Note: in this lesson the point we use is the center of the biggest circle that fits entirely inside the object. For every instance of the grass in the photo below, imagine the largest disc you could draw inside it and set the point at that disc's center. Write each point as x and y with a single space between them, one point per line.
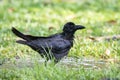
43 18
40 72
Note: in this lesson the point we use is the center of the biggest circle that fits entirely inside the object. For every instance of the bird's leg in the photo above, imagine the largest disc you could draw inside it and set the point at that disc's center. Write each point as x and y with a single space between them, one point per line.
56 61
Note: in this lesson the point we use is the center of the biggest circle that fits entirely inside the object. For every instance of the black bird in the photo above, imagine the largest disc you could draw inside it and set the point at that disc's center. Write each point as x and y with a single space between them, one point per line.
52 47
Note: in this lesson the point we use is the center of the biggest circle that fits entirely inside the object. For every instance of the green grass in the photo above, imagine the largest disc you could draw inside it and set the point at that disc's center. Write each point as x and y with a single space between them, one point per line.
43 18
40 72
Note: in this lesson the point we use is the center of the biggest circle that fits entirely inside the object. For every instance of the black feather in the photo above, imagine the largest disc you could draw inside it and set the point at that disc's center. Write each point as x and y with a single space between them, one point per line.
21 42
19 34
52 47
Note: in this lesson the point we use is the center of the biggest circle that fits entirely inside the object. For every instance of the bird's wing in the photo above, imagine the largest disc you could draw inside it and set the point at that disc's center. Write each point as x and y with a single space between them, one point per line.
55 45
58 47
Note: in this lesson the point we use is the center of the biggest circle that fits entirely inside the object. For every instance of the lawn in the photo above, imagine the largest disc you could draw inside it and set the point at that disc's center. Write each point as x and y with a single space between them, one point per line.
89 59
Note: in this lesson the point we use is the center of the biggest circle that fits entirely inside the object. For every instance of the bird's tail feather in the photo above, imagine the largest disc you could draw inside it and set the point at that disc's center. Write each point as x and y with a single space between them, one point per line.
22 42
19 34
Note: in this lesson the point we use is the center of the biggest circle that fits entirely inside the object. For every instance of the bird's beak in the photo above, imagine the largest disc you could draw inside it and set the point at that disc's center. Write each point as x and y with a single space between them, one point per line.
79 27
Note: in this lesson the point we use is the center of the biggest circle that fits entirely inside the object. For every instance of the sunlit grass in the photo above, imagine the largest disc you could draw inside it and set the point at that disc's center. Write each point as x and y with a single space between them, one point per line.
58 72
43 18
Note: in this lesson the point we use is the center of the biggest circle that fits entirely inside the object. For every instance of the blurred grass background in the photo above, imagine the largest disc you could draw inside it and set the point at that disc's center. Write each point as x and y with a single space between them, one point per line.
46 17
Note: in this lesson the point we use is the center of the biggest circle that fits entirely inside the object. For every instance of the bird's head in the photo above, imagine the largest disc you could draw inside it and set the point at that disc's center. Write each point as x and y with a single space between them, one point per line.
70 27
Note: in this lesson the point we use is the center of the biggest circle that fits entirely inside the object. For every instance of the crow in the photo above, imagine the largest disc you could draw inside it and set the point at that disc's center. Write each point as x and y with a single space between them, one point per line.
52 47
